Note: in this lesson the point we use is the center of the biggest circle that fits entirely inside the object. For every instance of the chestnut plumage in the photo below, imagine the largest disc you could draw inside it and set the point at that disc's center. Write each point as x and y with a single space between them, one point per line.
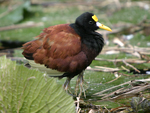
67 48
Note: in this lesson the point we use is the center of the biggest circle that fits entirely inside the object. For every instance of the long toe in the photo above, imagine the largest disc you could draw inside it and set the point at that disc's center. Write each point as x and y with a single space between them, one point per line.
80 84
67 86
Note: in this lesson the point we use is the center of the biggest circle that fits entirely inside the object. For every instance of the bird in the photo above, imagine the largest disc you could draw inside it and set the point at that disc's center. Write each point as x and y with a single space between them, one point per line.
66 50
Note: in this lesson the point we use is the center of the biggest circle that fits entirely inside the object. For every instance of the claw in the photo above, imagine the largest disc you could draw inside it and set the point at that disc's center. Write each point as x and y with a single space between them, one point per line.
80 81
80 85
66 86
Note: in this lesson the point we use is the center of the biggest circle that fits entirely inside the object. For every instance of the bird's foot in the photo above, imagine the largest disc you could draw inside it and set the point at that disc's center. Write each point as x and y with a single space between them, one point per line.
67 87
80 83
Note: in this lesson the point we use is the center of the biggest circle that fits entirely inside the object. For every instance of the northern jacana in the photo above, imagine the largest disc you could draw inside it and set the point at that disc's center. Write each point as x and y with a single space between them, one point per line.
66 50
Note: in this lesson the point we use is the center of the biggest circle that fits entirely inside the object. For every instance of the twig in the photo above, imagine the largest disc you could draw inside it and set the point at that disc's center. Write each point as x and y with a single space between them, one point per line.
129 82
143 50
107 68
19 26
126 74
132 91
9 10
125 69
127 64
78 109
112 88
120 60
107 109
103 69
112 93
127 48
5 13
113 79
101 3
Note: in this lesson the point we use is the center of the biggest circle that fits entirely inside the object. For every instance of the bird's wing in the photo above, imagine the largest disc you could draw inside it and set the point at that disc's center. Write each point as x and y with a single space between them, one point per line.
61 41
58 47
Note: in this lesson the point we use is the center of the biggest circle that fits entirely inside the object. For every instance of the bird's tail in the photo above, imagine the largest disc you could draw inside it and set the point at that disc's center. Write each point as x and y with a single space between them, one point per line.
59 77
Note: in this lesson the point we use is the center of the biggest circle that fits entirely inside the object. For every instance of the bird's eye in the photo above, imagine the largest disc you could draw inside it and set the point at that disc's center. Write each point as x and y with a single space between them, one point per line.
90 22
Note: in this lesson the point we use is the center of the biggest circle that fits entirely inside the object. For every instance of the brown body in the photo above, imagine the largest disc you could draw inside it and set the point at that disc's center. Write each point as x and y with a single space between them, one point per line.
66 50
59 47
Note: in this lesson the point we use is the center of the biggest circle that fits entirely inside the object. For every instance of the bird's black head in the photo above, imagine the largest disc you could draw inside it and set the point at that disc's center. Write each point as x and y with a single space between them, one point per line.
85 20
89 22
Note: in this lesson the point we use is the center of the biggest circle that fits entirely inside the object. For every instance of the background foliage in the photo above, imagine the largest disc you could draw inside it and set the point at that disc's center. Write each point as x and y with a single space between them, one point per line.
22 21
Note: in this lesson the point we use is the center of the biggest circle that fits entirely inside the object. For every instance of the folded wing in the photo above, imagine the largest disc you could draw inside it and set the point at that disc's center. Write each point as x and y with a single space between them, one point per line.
59 48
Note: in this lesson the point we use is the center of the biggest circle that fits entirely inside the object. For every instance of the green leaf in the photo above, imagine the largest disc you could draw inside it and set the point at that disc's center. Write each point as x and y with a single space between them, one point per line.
13 15
30 91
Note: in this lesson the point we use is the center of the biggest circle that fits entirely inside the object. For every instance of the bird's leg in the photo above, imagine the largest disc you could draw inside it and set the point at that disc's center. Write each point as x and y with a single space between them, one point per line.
80 81
67 85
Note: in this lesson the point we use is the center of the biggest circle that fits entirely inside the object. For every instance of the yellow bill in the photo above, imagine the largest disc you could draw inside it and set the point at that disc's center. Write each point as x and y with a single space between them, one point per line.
103 26
94 17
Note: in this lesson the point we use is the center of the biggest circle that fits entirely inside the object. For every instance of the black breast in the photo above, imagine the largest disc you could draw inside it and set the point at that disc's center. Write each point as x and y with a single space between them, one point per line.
92 47
92 42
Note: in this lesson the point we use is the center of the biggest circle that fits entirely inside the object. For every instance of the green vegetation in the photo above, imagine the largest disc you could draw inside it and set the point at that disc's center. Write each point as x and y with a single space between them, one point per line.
20 80
30 91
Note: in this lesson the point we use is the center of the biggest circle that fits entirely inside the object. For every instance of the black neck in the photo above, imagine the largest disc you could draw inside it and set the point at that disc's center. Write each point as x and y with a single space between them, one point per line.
92 39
